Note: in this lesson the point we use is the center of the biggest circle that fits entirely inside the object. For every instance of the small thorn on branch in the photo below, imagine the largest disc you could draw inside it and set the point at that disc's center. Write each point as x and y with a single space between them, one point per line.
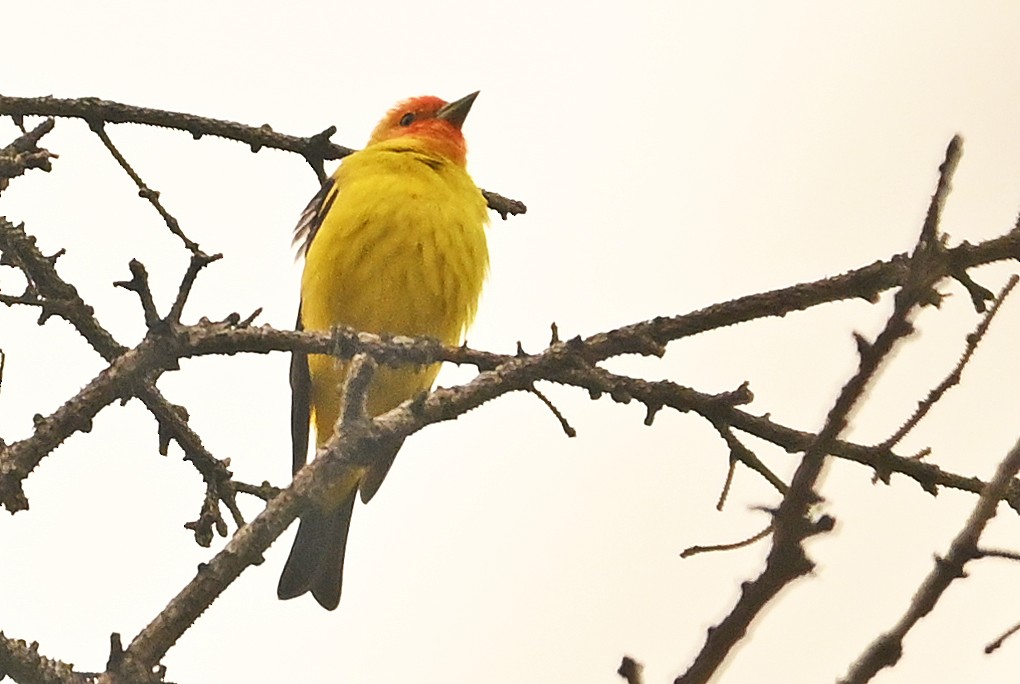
651 410
56 255
863 345
630 670
116 652
247 321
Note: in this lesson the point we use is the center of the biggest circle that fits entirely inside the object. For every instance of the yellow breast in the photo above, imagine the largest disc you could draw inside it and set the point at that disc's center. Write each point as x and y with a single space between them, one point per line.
400 250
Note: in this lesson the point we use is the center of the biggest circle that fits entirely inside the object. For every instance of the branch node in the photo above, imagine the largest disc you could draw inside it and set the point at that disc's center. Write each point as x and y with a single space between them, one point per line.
139 284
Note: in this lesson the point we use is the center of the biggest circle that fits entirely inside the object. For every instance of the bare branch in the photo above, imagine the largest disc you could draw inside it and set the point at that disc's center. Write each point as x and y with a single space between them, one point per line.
573 362
60 298
315 148
886 650
787 559
91 109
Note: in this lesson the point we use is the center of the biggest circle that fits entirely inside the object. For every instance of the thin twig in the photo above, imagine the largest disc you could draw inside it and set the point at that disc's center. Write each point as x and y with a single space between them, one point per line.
144 191
568 430
954 376
997 644
740 452
997 553
199 260
724 493
695 550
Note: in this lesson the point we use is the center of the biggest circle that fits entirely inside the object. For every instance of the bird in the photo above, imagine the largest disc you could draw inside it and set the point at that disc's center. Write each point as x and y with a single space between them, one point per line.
394 244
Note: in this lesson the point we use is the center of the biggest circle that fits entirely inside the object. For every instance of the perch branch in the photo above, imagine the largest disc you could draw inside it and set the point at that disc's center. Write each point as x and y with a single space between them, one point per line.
315 149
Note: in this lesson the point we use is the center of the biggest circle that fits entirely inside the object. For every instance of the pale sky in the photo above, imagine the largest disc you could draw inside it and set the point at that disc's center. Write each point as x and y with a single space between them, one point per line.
672 155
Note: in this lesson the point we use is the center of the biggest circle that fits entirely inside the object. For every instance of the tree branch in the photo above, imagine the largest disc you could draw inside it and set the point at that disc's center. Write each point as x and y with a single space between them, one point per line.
787 559
314 148
61 298
886 650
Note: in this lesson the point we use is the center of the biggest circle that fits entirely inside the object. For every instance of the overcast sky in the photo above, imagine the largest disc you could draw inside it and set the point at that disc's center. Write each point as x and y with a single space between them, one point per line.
672 155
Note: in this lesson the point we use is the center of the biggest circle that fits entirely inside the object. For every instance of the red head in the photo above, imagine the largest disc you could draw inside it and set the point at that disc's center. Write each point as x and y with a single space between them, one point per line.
431 120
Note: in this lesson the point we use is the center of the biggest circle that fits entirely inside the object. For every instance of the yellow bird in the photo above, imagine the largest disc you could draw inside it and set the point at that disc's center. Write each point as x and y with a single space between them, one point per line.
394 242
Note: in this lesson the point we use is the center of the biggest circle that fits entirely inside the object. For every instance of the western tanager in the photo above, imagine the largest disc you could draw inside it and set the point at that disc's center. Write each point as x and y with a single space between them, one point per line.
394 242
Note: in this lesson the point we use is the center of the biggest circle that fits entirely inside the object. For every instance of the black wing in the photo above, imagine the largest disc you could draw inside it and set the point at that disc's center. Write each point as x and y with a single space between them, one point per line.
311 218
300 402
300 380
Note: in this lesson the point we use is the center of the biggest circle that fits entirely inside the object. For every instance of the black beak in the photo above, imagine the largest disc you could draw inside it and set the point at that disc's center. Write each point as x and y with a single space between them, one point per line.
456 112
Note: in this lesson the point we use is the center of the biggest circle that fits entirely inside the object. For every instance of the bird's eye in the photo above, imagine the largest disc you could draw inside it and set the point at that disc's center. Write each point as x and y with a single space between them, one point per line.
406 119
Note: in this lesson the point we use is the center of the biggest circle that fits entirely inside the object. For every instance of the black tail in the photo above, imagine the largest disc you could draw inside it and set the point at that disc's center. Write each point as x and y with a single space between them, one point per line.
316 561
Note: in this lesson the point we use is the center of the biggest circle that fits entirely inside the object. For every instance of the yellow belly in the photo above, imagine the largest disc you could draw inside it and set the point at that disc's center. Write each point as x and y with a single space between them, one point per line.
401 251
